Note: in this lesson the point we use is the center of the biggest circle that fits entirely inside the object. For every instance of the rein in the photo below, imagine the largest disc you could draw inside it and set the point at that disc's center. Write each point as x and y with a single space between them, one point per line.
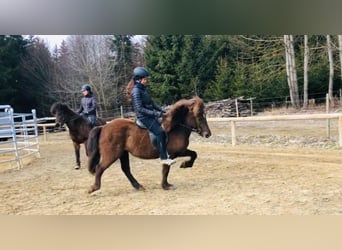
72 118
188 127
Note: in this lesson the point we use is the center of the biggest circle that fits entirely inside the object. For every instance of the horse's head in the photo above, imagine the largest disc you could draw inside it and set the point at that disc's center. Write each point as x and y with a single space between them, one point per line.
59 110
189 114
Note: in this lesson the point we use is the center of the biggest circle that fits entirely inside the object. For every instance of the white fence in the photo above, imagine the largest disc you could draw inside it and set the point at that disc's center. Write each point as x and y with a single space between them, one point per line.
328 117
18 135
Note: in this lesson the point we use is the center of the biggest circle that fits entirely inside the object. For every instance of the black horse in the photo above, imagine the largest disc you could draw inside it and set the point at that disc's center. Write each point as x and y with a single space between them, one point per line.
78 125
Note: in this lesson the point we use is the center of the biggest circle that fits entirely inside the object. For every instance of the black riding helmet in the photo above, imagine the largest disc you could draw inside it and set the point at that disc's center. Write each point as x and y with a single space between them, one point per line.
140 72
86 87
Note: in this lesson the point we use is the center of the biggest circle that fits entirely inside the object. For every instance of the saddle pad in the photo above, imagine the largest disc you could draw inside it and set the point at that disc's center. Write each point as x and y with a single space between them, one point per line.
153 138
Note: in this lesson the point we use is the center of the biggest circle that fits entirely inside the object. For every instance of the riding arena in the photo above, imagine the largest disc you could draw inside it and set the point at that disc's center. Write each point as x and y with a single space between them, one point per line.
283 164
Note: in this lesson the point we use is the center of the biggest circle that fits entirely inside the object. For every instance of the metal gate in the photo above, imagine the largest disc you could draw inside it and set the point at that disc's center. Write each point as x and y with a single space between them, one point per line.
18 135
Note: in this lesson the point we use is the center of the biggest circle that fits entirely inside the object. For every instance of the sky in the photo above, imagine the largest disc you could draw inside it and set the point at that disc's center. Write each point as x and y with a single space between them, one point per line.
53 40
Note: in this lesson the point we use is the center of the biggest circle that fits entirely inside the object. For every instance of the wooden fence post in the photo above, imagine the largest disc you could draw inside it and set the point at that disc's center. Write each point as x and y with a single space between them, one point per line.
340 130
237 107
233 129
327 109
121 111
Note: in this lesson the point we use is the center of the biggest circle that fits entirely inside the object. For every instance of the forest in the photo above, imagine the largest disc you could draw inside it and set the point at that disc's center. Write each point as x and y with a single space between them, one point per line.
271 69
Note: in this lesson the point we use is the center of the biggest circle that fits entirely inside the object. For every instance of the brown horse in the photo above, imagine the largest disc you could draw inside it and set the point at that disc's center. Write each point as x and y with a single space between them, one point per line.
78 126
120 137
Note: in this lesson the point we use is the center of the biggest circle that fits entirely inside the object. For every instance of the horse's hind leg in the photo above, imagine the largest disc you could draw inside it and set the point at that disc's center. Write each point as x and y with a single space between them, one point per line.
77 155
124 159
98 175
107 159
165 172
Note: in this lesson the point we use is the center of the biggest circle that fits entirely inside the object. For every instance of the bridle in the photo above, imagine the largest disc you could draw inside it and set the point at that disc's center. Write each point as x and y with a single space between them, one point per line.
189 128
197 130
62 120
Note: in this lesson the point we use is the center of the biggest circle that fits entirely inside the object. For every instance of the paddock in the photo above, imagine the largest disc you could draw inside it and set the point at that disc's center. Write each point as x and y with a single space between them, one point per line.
286 168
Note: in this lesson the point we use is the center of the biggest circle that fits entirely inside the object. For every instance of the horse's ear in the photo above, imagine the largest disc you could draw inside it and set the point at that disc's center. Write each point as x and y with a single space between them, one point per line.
195 104
191 105
53 108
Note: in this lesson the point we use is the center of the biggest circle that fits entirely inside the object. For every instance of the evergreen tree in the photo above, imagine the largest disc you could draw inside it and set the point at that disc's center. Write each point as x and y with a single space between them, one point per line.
219 88
12 50
190 67
37 70
163 54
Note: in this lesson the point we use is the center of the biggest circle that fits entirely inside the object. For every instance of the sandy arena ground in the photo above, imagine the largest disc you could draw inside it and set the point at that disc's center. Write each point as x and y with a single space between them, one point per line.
248 179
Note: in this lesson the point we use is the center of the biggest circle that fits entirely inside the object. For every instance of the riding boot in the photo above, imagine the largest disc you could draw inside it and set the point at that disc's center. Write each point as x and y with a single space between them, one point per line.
164 156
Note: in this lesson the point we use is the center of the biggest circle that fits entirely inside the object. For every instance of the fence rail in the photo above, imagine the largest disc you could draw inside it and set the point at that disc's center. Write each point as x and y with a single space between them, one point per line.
235 120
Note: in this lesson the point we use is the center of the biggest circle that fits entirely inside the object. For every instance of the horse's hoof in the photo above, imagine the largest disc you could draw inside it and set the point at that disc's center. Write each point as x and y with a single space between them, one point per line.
94 193
184 165
140 187
92 189
77 167
167 186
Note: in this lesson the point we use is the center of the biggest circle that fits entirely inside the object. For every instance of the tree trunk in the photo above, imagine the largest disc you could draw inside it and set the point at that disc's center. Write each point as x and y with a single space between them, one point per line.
331 72
291 71
340 53
306 65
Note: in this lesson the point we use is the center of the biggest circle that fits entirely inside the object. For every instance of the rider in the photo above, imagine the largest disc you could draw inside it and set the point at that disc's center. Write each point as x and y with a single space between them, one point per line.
147 112
88 104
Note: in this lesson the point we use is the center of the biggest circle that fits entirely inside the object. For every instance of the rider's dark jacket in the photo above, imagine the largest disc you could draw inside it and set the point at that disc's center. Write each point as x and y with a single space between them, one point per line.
143 105
88 105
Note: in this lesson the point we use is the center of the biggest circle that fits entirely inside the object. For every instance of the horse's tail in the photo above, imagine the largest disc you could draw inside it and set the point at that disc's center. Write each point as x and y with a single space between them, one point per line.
93 149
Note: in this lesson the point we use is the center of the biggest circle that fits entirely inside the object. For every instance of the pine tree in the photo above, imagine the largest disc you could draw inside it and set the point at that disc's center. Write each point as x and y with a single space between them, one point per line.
219 88
12 50
163 53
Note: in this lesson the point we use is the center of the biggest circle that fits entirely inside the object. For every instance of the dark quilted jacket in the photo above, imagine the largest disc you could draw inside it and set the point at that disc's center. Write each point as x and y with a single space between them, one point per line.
143 105
88 105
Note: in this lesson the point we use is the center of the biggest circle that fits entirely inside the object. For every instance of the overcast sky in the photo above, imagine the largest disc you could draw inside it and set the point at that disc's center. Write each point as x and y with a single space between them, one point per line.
53 40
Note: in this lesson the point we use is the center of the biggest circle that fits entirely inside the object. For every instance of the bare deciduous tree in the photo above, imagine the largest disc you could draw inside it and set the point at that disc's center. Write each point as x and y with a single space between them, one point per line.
331 71
291 70
88 59
37 67
340 52
306 69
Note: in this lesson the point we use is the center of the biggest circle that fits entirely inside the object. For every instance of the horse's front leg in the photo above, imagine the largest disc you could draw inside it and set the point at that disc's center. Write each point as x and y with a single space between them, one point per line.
165 172
86 147
77 155
189 163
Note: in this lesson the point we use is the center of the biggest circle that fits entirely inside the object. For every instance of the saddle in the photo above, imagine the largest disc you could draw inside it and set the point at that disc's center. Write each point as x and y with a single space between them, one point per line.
153 138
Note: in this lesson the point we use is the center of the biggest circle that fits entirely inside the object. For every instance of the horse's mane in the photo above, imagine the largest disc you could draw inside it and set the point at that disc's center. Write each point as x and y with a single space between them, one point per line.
178 112
62 108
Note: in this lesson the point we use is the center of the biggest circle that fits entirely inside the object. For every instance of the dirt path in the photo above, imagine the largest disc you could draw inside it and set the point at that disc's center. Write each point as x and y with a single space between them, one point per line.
225 180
